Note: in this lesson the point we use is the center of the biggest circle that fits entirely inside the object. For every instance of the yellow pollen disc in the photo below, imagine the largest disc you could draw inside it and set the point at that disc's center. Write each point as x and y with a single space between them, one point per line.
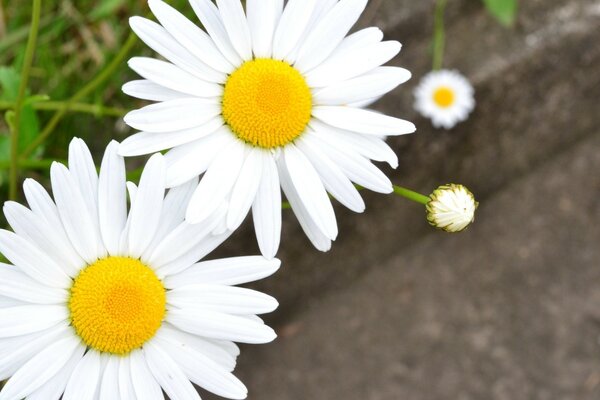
117 304
443 97
267 103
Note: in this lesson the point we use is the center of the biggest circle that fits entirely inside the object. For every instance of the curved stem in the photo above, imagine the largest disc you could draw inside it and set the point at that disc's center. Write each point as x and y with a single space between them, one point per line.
16 125
439 35
411 195
398 190
87 89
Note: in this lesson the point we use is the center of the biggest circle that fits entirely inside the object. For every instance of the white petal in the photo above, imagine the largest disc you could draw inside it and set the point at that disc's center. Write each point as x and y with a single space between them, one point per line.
292 24
83 231
143 143
329 33
112 201
313 232
266 209
356 167
245 188
85 380
125 383
22 320
40 368
263 17
236 25
47 238
144 384
205 247
146 90
217 182
157 38
225 271
334 180
17 285
363 121
83 170
131 191
203 371
109 388
225 299
54 388
173 115
322 8
369 146
222 352
16 351
10 302
208 14
168 374
145 212
41 203
220 326
32 261
173 77
348 63
310 190
364 37
190 36
182 240
191 160
371 85
173 212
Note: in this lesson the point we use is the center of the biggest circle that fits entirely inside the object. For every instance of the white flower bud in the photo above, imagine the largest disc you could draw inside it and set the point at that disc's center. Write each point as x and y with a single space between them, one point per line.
452 208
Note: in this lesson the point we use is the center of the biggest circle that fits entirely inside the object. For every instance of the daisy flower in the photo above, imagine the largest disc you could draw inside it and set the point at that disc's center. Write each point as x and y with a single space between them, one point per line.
446 97
105 303
451 208
268 97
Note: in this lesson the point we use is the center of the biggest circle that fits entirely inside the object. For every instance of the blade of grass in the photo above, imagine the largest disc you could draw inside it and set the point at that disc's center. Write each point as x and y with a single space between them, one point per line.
16 125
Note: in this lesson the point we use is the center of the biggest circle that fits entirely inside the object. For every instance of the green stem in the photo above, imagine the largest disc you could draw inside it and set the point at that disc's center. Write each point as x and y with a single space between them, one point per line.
87 89
398 190
439 35
16 125
411 195
95 109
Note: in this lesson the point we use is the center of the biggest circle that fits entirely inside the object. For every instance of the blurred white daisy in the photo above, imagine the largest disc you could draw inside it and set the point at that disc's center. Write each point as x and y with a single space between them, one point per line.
268 97
446 97
106 303
451 208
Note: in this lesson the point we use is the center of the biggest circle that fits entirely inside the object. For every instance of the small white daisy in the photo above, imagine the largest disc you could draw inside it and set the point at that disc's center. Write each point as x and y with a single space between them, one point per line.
452 208
446 97
105 303
269 97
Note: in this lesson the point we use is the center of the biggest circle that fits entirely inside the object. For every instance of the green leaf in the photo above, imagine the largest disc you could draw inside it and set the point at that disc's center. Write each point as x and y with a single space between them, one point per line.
504 11
106 8
30 125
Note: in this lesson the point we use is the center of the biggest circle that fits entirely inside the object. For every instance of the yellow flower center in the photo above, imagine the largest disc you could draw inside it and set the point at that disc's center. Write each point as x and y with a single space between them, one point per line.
117 304
267 103
443 97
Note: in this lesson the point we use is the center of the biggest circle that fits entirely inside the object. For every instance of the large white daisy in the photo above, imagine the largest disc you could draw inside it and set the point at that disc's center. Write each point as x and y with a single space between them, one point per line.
446 97
267 97
105 303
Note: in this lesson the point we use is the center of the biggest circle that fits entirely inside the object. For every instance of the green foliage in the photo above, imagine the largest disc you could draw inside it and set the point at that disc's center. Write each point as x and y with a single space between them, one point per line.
30 124
504 11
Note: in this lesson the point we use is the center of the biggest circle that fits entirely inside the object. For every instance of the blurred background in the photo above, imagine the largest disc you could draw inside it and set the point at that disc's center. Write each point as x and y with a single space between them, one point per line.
508 310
